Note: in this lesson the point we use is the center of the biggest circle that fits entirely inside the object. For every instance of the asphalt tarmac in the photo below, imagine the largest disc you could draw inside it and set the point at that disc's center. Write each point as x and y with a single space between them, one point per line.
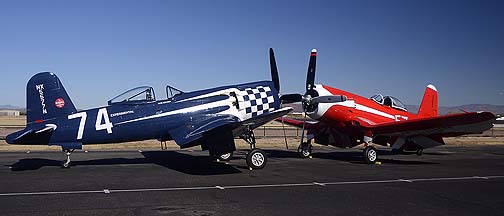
443 181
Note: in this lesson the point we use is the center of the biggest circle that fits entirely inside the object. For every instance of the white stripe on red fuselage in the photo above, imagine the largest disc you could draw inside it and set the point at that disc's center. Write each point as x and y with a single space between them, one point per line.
323 108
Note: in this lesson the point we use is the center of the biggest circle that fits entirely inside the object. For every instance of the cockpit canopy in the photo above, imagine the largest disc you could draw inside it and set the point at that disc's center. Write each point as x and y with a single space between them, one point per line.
140 94
143 94
389 101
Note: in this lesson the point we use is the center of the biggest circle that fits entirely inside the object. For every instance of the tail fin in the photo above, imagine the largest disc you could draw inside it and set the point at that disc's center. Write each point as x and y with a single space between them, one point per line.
429 106
46 98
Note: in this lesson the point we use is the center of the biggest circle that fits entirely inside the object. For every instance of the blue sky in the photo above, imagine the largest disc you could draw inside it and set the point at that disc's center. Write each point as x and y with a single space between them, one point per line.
102 48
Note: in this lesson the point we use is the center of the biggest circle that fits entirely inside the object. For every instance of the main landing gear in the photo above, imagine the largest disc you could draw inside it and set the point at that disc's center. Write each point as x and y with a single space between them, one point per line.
305 149
66 163
370 154
256 158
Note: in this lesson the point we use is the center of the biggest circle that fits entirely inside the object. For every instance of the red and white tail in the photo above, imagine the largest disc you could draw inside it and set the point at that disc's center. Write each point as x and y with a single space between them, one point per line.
429 106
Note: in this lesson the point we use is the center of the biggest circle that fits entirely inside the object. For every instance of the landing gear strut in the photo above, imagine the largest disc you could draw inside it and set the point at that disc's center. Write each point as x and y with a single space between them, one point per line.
256 158
66 163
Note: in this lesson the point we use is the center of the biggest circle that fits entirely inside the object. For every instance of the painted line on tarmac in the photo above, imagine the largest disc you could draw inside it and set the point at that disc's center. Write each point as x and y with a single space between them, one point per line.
317 184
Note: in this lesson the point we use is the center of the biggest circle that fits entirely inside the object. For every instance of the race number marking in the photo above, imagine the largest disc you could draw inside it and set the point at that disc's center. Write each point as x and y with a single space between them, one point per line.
102 116
400 117
82 123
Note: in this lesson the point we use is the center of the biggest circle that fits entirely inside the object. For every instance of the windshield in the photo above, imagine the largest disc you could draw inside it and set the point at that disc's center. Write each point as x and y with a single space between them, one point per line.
138 94
394 103
172 92
388 101
378 98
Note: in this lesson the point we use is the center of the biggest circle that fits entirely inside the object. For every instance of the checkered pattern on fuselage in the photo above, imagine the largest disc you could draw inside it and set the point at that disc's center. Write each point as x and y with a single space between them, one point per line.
257 101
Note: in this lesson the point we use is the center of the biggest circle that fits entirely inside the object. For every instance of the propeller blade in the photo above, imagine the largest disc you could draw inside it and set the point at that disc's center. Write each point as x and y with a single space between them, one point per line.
291 98
274 70
310 76
328 99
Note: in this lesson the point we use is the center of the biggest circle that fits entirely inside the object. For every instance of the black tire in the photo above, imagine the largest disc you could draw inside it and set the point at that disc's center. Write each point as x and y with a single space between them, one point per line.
370 155
419 152
257 159
225 157
304 150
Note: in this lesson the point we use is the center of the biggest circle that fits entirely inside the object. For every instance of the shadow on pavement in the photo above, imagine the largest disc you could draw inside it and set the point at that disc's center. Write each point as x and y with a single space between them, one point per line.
351 157
185 163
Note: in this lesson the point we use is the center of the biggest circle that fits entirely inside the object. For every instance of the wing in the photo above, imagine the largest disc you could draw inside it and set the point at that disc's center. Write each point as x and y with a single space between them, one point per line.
299 123
445 126
429 132
209 123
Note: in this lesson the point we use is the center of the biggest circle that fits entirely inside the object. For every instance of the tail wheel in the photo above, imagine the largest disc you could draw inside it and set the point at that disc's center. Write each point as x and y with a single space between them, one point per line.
304 150
225 157
65 164
370 155
256 159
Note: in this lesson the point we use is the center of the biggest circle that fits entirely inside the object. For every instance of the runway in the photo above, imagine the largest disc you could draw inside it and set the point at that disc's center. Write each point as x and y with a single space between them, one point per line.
445 180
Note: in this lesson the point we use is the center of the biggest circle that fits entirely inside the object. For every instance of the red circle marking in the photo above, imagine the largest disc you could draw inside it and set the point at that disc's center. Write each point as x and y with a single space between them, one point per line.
59 103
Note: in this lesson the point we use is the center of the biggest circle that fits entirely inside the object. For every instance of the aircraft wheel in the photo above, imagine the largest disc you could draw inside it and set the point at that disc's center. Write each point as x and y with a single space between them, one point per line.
370 154
256 159
419 152
304 150
225 157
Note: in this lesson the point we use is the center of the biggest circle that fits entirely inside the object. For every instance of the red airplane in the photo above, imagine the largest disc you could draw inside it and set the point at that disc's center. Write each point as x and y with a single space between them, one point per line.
346 120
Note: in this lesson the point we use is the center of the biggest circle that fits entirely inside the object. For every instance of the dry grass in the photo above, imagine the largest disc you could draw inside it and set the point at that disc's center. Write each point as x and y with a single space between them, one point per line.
273 129
12 121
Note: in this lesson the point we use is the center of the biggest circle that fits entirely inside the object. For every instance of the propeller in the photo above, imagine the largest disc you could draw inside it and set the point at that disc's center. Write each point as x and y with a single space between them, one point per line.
311 98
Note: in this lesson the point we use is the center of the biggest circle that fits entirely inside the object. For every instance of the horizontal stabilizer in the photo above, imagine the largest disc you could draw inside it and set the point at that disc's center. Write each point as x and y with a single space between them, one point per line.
39 134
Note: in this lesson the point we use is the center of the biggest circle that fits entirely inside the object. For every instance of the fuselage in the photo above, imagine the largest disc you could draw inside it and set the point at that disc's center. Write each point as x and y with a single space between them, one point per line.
343 120
356 107
154 119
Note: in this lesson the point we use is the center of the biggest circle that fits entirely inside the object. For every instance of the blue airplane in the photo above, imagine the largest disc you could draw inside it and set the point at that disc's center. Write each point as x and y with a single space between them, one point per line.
209 118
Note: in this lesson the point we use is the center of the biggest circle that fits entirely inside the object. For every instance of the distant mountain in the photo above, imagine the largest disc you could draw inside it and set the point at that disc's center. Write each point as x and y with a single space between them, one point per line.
496 109
10 107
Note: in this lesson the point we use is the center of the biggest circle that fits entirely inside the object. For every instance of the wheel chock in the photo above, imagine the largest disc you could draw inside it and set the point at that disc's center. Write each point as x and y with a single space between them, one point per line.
310 157
377 163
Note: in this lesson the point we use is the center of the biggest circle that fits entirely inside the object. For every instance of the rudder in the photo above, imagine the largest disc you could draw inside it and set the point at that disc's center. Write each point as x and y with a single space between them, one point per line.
429 105
46 98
